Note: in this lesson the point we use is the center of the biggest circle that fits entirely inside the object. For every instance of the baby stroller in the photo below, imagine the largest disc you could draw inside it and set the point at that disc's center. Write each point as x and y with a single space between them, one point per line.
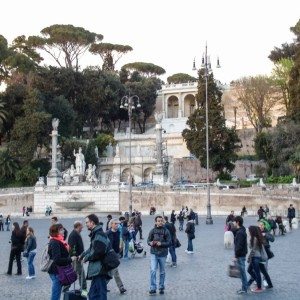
136 247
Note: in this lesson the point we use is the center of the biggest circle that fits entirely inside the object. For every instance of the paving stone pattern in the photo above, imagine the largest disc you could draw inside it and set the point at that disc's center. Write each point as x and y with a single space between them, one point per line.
202 275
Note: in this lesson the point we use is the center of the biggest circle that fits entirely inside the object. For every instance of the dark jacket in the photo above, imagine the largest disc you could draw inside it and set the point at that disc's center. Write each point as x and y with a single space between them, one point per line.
30 244
173 217
180 217
114 237
99 245
17 241
172 230
230 218
162 235
138 221
24 231
240 243
75 242
59 254
190 229
291 213
125 234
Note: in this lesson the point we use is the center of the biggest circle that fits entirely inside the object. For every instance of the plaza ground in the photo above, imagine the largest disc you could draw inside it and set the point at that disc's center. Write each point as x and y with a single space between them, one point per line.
202 275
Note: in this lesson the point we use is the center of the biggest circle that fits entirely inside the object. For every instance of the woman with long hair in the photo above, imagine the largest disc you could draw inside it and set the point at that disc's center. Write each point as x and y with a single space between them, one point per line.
16 241
257 259
30 251
59 252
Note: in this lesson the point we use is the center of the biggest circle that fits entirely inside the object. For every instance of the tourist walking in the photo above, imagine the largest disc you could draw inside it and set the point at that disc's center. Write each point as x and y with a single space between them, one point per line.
267 238
230 218
138 224
98 247
76 249
257 256
30 251
24 210
160 240
190 231
17 243
291 214
172 250
109 217
7 222
244 211
1 223
261 212
58 251
126 238
114 236
181 220
173 217
240 252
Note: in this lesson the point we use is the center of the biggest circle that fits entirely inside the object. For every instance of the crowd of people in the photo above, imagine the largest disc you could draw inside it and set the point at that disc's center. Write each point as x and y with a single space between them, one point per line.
119 236
253 245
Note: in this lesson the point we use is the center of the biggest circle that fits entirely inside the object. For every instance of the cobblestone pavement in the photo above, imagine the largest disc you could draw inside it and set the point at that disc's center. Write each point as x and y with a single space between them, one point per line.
202 275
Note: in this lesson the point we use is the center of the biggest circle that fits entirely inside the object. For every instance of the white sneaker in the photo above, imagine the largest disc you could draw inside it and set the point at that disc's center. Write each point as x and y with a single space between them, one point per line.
190 252
186 251
28 277
32 277
265 284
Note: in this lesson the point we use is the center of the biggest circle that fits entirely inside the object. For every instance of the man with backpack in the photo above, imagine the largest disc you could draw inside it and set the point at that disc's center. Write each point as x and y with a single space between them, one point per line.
99 247
160 240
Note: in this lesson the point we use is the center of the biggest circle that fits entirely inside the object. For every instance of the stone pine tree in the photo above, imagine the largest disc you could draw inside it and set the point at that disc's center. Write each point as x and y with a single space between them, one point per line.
223 141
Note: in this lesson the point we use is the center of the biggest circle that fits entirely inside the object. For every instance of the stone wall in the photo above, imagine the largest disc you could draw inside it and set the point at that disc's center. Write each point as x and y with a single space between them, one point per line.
222 202
12 203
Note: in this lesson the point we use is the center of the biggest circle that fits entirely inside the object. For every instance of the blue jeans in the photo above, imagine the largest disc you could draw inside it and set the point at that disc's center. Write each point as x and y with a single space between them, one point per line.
254 270
241 262
155 261
173 254
7 227
126 246
190 245
98 289
181 225
56 287
30 258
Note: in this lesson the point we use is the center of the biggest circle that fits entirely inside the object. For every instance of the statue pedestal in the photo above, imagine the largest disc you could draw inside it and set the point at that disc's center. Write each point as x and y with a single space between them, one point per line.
53 177
158 178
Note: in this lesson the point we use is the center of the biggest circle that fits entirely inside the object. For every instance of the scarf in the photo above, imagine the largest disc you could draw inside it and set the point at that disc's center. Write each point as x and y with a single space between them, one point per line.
61 239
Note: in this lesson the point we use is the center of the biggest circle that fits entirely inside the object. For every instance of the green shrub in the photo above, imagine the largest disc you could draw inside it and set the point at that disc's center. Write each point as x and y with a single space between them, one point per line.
27 176
280 179
41 165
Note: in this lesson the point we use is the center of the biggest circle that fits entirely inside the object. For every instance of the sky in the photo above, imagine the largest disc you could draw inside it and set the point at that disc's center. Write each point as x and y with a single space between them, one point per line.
169 33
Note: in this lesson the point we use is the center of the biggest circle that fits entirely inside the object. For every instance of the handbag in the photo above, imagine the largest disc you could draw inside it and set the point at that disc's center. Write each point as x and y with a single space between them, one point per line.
177 244
234 271
46 262
66 274
270 254
110 261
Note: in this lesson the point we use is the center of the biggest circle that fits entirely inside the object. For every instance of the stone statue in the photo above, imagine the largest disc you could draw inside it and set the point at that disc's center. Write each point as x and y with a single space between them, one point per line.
117 150
91 173
109 150
55 123
96 152
79 162
72 171
158 117
66 176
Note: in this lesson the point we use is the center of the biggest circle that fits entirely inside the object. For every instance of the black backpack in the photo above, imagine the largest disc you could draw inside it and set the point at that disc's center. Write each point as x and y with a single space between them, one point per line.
110 260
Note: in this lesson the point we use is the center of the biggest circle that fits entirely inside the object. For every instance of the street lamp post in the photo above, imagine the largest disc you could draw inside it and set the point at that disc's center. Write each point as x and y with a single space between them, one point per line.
127 102
206 65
